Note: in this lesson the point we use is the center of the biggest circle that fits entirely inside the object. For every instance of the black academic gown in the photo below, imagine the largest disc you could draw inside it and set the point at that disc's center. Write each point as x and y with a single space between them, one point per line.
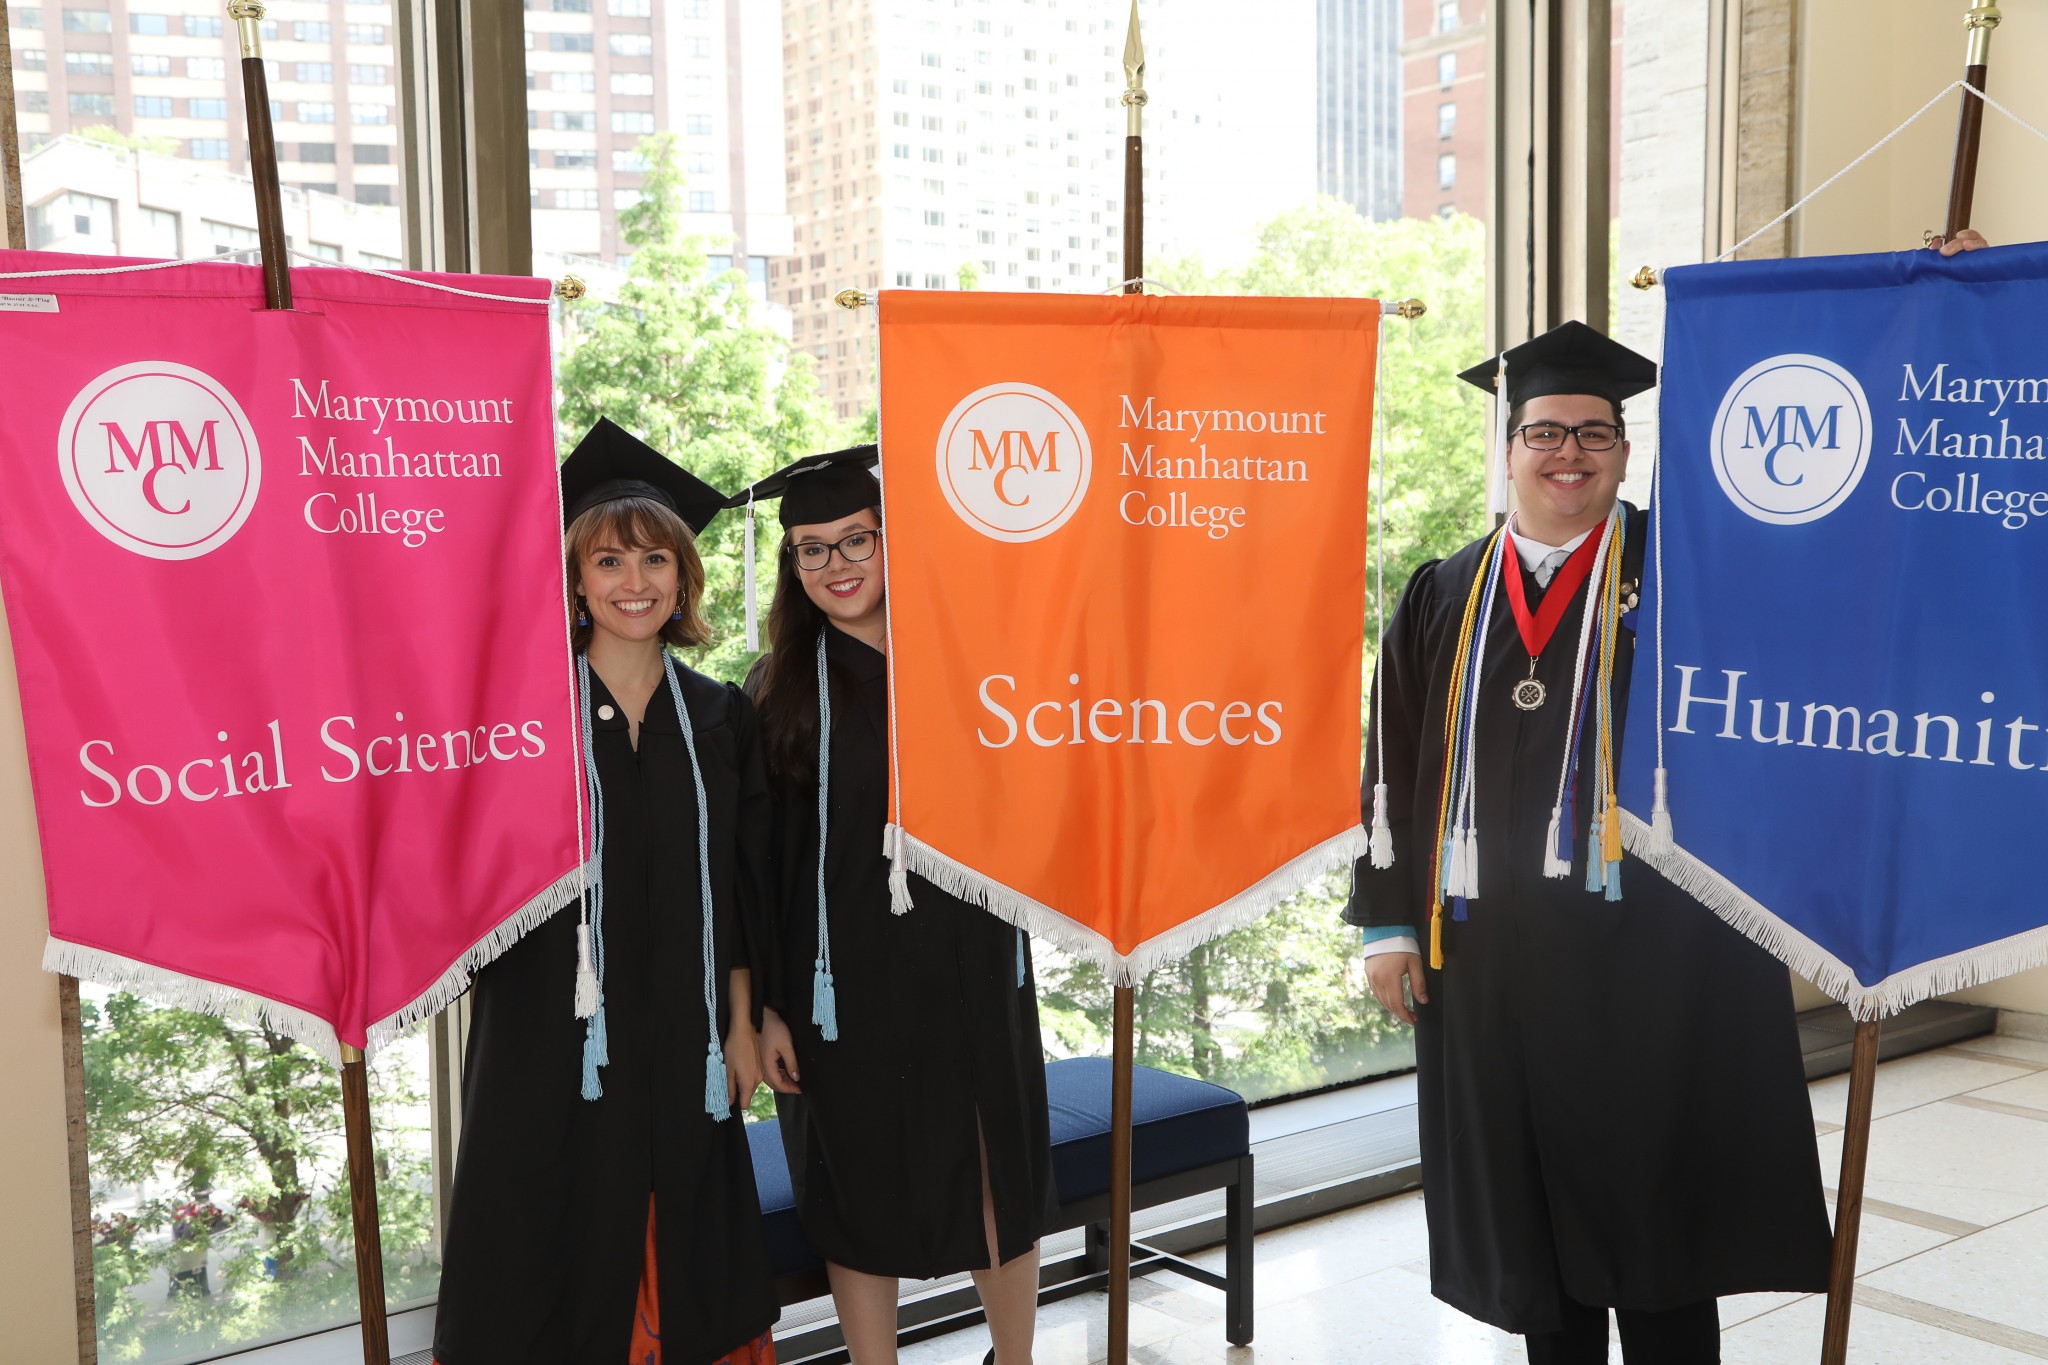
936 1035
1612 1104
547 1226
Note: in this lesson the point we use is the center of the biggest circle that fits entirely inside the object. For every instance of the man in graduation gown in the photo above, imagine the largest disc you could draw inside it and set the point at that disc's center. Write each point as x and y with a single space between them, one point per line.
1612 1107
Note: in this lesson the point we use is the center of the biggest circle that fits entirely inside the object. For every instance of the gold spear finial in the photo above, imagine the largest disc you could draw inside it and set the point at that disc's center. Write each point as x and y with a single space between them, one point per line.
850 299
248 17
1134 75
1646 278
1982 18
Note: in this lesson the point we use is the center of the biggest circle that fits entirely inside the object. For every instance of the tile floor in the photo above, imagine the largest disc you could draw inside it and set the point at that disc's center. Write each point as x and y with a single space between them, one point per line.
1952 1265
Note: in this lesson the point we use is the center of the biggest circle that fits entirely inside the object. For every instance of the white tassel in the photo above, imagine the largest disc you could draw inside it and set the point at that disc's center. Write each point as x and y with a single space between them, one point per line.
1553 865
899 871
1454 880
1382 832
1497 493
1662 839
1472 864
586 974
747 574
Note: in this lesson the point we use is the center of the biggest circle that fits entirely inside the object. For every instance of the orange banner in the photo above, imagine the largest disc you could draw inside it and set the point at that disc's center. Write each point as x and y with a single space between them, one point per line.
1126 584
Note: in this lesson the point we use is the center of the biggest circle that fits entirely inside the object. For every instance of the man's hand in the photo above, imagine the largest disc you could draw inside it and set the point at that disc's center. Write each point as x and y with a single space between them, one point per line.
1386 972
778 1055
1969 239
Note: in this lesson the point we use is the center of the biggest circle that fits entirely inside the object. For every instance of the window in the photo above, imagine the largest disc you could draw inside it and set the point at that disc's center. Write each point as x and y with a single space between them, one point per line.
152 106
369 75
202 26
34 101
324 251
901 150
155 234
315 112
575 199
576 82
573 121
628 122
227 237
703 201
1447 171
630 44
576 161
1446 120
372 154
317 153
625 199
72 215
206 68
102 105
89 63
313 73
34 59
309 31
369 35
571 42
150 25
1447 16
934 218
28 18
89 21
629 9
697 47
698 125
371 115
632 82
208 148
138 65
569 6
210 109
1446 68
935 281
374 194
623 161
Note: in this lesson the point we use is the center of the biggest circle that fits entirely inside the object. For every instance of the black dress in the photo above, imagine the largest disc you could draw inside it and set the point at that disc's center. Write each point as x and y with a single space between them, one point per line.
547 1225
935 1032
1612 1104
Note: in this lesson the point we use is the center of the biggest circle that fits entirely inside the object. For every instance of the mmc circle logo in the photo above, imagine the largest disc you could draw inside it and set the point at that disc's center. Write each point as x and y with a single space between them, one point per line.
160 459
1013 461
1792 439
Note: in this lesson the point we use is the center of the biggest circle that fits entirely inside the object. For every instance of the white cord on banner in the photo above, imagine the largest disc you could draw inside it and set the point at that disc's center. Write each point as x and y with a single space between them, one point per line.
1381 847
543 301
892 832
1121 285
127 269
256 252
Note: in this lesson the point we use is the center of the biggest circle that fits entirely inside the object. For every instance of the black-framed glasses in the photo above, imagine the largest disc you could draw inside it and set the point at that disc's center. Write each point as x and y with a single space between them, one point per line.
1549 436
815 554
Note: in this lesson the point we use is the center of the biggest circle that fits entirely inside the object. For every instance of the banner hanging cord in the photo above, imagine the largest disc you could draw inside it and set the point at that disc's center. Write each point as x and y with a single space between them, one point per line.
1652 276
246 252
1381 846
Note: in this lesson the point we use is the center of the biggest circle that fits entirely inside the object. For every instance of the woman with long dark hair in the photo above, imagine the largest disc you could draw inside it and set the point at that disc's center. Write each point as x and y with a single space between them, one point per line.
604 1206
903 1048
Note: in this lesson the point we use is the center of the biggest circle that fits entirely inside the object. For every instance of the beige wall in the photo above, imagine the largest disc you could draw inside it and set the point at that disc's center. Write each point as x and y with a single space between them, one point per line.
36 1299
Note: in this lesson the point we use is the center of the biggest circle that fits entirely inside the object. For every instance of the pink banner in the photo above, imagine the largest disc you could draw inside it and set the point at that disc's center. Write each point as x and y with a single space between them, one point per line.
285 594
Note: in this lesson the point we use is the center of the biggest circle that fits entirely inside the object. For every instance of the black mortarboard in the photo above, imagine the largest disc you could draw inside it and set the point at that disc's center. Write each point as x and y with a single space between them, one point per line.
819 488
610 462
1572 358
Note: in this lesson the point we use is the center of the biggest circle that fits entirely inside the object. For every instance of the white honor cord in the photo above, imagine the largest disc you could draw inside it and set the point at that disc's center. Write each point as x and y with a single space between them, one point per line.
824 963
1463 808
1585 641
713 1046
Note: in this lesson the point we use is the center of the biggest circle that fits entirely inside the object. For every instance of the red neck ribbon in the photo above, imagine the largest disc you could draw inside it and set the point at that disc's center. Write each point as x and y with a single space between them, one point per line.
1537 630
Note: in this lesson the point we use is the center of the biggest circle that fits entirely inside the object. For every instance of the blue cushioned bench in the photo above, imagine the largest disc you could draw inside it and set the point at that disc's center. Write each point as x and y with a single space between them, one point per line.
1188 1137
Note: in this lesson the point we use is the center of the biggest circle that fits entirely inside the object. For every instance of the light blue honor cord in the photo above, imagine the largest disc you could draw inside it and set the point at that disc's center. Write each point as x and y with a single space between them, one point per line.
824 994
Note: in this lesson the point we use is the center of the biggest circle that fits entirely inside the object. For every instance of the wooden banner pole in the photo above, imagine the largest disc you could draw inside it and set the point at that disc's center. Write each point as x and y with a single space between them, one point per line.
1982 19
1122 1061
355 1076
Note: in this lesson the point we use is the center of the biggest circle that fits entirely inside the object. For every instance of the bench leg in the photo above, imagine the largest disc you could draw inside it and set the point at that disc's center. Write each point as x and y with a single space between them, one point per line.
1095 1248
1237 1256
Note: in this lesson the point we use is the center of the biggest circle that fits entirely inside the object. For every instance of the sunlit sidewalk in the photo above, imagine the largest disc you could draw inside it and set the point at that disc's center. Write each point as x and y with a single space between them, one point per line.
1953 1267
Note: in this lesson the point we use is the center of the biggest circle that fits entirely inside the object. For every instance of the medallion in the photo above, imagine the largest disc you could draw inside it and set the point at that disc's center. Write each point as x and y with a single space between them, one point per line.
1529 694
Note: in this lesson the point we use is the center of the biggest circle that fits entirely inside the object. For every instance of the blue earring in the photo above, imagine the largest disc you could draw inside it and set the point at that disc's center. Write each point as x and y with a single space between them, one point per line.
676 615
582 612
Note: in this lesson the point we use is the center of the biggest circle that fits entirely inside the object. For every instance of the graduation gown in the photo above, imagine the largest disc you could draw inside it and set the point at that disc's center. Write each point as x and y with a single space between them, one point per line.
936 1033
547 1224
1611 1099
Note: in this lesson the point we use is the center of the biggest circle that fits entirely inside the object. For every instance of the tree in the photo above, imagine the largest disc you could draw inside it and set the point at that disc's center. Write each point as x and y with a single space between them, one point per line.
680 359
1280 1006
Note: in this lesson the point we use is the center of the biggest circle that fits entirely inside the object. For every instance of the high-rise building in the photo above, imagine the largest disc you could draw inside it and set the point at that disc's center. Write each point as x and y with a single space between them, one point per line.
601 75
1358 104
932 145
1443 96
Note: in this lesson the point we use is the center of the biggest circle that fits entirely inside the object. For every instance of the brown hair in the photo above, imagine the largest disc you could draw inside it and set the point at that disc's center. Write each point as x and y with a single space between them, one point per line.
640 524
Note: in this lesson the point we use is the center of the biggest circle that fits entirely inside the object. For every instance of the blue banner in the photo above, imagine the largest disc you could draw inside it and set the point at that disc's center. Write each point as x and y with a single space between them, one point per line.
1849 566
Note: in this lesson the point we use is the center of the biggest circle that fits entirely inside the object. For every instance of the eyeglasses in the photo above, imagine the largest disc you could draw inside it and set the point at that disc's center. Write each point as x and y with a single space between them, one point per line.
1549 436
813 555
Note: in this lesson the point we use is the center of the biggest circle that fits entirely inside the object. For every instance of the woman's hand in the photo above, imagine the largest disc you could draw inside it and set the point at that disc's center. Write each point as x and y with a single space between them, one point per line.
1385 972
742 1062
1969 239
777 1055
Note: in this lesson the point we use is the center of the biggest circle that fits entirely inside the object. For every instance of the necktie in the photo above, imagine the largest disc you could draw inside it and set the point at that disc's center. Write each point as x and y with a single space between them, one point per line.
1547 570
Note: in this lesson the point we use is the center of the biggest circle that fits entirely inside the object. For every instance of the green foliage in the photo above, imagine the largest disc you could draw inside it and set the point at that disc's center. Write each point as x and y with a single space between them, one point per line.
185 1109
680 358
109 136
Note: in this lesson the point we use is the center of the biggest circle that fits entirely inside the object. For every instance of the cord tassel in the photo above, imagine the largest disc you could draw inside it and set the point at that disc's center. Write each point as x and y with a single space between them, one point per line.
1662 838
899 871
824 1002
1610 831
1020 959
1471 865
1382 832
1436 939
1614 881
717 1093
592 1087
1555 864
586 974
747 575
1596 870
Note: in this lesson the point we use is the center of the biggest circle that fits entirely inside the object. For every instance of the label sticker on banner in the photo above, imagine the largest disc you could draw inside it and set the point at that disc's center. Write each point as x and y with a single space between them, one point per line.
28 303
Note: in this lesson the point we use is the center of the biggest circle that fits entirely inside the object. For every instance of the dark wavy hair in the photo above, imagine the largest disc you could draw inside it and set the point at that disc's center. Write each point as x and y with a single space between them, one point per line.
784 684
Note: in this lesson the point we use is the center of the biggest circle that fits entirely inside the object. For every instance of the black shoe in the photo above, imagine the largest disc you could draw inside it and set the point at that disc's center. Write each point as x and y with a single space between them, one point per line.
990 1358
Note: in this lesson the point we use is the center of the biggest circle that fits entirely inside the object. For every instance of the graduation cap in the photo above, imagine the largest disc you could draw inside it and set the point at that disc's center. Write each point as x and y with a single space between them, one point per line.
815 489
1572 358
610 463
819 488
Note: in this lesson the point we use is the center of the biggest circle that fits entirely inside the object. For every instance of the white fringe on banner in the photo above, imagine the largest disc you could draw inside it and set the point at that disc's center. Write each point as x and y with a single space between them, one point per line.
1956 972
1042 921
453 982
180 991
